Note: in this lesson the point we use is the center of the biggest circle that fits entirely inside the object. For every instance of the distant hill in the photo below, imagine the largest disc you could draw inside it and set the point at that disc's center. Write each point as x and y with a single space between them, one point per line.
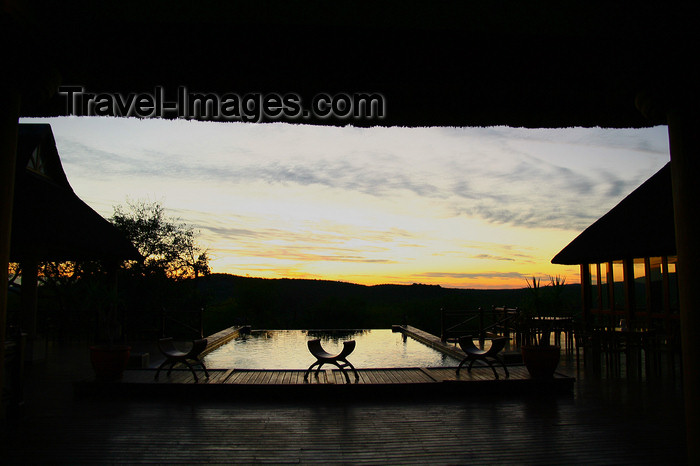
314 304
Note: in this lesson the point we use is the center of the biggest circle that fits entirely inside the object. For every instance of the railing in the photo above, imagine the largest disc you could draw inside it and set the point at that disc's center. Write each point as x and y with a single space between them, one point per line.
498 320
548 328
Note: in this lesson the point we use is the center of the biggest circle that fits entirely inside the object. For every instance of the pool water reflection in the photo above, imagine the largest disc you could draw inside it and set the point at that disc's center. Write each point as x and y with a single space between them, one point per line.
286 349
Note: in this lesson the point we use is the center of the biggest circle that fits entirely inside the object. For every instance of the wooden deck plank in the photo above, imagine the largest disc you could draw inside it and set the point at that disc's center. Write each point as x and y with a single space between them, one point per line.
271 378
431 378
382 376
226 375
296 377
368 376
267 378
235 377
256 377
379 376
395 376
416 376
413 376
335 376
431 374
286 375
364 377
280 376
245 376
400 375
215 376
371 376
259 377
277 377
424 376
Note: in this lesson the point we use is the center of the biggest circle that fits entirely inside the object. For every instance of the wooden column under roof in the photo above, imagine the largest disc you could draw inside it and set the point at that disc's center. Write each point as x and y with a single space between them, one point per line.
641 226
684 125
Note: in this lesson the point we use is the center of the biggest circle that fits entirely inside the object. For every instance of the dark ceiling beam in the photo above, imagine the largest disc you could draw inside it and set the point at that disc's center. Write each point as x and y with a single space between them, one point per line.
447 64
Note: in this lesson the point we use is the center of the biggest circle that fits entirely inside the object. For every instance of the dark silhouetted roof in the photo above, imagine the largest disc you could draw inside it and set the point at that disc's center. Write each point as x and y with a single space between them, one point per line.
641 225
446 63
49 222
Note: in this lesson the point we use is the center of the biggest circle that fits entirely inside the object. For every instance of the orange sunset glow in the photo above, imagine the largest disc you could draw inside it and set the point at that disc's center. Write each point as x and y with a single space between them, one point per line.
458 207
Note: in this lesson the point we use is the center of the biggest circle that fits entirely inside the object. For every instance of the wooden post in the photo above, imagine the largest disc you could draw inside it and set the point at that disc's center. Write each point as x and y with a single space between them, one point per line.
599 291
9 121
28 301
586 296
629 287
665 286
610 321
647 287
684 137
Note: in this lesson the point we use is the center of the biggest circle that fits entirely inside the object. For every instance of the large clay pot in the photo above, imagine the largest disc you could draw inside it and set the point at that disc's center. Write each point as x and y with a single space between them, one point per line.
541 361
109 361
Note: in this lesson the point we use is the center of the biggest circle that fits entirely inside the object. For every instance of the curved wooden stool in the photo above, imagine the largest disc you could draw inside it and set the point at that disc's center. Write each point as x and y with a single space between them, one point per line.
339 360
474 353
173 355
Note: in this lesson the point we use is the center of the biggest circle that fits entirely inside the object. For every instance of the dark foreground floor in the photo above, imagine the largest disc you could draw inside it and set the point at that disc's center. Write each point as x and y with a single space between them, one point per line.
603 422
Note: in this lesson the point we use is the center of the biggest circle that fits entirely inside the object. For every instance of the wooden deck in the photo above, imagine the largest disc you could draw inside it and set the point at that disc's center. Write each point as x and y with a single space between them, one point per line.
606 421
396 382
372 383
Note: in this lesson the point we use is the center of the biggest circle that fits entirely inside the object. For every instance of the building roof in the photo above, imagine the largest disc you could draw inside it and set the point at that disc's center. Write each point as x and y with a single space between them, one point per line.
451 63
49 221
641 225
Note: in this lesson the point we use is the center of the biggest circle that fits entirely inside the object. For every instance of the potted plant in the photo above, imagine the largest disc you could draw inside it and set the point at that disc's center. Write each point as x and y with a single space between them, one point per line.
109 355
539 356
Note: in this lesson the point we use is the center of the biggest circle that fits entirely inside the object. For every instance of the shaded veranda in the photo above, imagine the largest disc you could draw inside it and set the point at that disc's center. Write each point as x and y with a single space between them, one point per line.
605 420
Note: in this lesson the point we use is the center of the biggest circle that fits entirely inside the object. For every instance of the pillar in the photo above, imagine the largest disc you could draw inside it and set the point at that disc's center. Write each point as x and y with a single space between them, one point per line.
684 138
586 296
629 290
29 301
9 120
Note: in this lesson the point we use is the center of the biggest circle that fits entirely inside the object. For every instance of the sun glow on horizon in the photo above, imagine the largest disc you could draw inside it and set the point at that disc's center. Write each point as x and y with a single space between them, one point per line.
458 207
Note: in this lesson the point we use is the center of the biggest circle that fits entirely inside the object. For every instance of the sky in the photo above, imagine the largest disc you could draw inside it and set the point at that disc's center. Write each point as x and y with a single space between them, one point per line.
459 207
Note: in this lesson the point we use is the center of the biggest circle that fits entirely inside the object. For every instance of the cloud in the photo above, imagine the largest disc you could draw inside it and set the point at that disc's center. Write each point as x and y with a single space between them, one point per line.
556 179
491 257
473 276
234 233
306 254
539 192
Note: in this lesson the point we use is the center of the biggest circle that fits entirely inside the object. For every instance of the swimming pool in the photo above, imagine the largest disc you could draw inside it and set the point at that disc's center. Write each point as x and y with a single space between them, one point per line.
286 349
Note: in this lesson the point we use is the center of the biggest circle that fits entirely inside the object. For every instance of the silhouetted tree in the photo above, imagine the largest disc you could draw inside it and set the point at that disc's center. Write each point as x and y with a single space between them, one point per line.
167 245
157 289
